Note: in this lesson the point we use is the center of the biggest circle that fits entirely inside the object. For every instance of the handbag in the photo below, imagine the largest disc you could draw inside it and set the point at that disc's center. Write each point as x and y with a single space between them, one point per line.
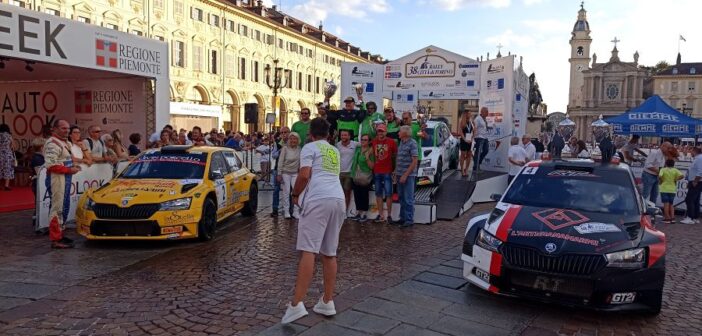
360 177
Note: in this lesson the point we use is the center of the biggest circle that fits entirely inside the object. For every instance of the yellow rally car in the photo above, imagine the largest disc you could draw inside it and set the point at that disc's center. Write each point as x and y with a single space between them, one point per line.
177 192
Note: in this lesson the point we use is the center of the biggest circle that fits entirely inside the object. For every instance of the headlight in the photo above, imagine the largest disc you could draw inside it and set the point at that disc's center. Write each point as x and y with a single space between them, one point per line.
89 204
425 163
488 241
178 204
633 258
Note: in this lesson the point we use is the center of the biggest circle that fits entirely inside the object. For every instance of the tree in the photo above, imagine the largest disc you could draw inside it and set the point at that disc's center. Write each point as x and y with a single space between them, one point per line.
656 69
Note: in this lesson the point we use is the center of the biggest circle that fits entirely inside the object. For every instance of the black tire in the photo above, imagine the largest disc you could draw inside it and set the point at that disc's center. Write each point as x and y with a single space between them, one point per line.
439 173
251 205
208 223
453 161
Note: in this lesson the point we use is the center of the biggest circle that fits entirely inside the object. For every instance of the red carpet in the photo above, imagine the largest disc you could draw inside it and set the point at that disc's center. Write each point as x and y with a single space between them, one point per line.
19 198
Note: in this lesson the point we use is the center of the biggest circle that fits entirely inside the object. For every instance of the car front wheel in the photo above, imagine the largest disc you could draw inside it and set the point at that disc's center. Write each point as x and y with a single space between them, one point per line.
439 173
208 223
251 205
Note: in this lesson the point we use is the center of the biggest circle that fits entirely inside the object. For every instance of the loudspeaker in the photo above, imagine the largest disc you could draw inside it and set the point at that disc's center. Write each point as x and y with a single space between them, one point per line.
251 113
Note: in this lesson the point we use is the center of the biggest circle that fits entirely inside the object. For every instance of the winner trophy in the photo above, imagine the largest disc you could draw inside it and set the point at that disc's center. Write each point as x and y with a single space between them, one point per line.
359 88
329 91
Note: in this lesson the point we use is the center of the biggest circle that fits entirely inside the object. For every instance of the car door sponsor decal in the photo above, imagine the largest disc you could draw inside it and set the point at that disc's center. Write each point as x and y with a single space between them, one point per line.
570 173
221 192
530 170
556 235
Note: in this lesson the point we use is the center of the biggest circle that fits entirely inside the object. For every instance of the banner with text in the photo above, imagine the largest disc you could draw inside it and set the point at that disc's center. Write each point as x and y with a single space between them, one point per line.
115 104
368 76
521 102
497 95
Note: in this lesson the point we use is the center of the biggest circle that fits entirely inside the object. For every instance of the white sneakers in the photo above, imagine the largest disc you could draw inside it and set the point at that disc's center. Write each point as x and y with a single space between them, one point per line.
326 309
688 220
293 313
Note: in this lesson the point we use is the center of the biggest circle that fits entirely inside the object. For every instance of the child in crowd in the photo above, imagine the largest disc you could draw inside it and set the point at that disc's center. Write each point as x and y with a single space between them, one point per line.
668 178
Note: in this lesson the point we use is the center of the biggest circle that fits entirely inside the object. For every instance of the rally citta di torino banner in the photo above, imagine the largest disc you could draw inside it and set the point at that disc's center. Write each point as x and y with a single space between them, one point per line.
114 104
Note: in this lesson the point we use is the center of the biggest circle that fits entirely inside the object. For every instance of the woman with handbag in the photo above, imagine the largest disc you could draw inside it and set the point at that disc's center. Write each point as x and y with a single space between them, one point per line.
288 167
362 173
8 161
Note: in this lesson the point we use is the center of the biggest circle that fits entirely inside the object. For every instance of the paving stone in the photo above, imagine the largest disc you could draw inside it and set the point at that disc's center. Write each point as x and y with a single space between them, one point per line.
441 280
536 331
455 263
497 314
364 322
443 293
410 330
328 329
449 271
397 311
281 330
459 327
10 302
27 291
407 297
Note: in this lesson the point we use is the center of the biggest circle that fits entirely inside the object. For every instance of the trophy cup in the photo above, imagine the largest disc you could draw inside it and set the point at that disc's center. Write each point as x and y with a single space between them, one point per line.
566 129
600 130
360 88
329 91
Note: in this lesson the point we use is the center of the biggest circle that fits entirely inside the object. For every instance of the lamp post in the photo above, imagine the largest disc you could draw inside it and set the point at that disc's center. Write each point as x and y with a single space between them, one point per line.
279 81
686 109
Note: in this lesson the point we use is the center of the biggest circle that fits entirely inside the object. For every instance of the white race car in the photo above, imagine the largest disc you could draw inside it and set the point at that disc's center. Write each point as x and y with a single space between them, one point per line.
439 153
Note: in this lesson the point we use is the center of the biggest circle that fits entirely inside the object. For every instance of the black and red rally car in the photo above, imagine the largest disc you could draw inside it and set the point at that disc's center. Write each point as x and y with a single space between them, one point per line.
573 232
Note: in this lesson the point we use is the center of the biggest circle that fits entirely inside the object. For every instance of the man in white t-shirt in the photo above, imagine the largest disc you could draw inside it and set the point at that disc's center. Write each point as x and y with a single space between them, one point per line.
481 138
649 178
321 216
517 158
347 149
529 147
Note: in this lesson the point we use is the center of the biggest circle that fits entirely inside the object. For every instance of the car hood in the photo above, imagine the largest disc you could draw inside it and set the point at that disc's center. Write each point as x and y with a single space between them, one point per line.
125 192
562 231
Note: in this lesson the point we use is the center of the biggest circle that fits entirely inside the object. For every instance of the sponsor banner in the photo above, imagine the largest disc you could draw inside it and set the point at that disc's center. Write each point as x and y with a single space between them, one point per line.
370 76
114 104
448 94
429 69
521 102
214 111
405 102
89 177
497 94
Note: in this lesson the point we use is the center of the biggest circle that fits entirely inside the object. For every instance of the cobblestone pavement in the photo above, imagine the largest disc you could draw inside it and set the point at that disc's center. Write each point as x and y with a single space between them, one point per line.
391 281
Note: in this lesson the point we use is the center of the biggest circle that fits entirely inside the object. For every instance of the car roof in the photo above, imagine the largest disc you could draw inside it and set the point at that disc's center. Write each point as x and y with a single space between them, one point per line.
192 149
578 163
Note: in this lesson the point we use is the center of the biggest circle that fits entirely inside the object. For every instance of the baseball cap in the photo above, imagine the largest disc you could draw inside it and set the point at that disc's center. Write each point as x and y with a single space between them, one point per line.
381 127
349 99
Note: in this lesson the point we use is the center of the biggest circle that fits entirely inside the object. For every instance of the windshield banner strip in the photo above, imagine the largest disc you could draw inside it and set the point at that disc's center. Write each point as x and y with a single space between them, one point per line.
172 160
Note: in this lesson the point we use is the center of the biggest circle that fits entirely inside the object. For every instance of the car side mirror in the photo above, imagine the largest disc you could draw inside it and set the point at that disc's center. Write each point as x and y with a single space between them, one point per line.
496 197
653 211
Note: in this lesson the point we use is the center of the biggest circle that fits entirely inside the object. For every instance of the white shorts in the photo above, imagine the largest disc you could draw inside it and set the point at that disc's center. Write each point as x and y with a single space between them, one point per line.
319 226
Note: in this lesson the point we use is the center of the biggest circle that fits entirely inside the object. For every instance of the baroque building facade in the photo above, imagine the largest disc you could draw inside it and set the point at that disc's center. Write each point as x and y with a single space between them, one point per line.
606 89
219 51
679 86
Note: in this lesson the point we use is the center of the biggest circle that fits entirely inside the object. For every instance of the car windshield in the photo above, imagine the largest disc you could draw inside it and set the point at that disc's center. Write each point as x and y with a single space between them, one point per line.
167 166
604 192
428 140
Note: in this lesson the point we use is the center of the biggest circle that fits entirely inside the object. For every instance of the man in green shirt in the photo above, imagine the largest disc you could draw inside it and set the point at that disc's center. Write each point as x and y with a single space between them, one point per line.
393 124
302 127
372 118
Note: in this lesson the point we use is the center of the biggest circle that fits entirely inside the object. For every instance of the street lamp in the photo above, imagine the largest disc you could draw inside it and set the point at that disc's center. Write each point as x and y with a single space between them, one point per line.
280 80
685 109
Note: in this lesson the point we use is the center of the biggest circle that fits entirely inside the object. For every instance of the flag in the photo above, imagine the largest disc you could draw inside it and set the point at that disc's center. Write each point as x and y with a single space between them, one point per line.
682 38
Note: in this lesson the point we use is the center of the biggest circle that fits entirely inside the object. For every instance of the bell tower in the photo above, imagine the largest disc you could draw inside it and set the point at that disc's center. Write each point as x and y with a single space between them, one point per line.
579 58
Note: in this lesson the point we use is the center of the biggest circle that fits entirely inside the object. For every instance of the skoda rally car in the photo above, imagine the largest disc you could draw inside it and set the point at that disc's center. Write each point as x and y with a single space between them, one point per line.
573 232
177 192
440 152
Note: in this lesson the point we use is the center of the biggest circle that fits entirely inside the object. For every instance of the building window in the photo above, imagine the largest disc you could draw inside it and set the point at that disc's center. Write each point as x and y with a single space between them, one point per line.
213 61
230 25
243 30
258 35
160 38
158 4
310 53
179 54
309 83
674 86
300 50
214 20
197 14
197 57
693 71
316 85
230 64
111 26
242 68
254 71
178 8
52 12
299 81
691 86
18 3
136 32
280 43
289 80
86 20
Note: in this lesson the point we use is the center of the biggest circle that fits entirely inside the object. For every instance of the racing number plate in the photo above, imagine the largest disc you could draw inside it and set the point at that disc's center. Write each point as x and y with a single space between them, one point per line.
172 229
485 276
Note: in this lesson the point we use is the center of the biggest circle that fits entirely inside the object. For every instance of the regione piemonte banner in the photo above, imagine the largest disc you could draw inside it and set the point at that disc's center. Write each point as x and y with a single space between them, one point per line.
497 94
36 36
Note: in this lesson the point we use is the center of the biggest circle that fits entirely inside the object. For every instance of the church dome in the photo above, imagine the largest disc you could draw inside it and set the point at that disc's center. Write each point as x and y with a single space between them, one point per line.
582 24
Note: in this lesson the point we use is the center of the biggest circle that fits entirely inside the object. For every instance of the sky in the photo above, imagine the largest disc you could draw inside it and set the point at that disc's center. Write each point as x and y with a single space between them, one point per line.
538 30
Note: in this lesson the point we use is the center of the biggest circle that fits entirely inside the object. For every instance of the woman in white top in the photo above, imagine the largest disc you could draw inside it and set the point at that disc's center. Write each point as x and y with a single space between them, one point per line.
581 149
288 166
79 152
118 146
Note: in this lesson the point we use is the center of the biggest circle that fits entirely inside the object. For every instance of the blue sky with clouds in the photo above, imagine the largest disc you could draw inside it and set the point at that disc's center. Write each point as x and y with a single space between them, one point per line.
538 30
